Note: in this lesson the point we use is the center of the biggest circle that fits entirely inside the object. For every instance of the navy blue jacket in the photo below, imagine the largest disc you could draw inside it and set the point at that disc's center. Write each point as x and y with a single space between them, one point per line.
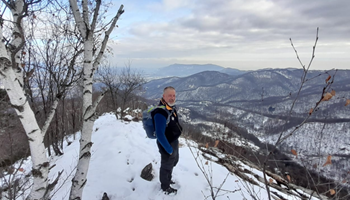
166 134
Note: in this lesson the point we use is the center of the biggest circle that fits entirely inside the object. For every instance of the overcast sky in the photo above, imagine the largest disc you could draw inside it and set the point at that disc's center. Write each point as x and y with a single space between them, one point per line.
241 34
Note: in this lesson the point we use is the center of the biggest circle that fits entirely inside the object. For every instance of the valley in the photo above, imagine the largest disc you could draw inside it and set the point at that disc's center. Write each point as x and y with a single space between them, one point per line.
273 104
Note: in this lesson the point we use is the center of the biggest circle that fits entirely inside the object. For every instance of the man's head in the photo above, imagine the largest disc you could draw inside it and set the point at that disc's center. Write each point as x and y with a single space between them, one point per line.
169 95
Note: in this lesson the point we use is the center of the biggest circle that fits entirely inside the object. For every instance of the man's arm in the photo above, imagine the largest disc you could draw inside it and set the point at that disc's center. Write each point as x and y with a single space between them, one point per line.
160 125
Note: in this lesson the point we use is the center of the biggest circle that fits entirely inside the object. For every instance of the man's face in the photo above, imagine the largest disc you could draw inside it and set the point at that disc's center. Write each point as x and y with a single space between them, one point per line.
169 96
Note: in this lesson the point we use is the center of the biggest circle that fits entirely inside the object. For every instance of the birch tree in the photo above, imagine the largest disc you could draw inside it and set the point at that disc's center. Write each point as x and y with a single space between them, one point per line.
11 72
87 26
13 76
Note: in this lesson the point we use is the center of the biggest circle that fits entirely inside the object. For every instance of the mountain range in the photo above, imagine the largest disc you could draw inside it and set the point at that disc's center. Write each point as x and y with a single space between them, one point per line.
270 103
256 90
183 70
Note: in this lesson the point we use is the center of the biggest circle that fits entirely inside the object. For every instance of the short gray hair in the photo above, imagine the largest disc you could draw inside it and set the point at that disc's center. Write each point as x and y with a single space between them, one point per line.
168 87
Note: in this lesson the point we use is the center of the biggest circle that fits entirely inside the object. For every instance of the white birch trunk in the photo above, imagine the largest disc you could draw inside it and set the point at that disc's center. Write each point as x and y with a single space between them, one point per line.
19 101
79 179
12 75
86 30
88 121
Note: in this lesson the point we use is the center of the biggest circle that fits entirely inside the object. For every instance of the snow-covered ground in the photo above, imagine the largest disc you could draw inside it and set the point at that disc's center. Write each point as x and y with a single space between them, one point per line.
119 153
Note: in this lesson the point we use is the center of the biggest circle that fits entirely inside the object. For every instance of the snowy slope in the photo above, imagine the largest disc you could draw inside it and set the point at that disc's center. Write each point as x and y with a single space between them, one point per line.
120 152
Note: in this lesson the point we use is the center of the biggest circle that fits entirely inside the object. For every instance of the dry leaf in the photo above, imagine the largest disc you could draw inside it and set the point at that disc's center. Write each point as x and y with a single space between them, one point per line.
329 77
347 102
270 181
344 181
206 145
327 96
294 152
206 163
332 191
288 177
23 65
329 161
236 180
314 166
333 93
311 110
21 169
216 143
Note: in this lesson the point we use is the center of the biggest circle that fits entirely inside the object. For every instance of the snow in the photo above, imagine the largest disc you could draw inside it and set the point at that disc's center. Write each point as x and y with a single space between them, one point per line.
322 140
283 74
119 153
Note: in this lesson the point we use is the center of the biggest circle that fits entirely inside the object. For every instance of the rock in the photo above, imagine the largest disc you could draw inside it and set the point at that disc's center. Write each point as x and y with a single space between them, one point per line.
127 119
135 119
147 172
105 197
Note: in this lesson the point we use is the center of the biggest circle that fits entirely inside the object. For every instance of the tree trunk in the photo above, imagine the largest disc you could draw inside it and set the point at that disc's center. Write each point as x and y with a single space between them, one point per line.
73 115
64 125
79 179
19 101
12 76
86 30
48 142
11 72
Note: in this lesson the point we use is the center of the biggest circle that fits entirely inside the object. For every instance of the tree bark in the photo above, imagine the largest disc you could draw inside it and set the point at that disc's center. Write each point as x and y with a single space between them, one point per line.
12 74
88 121
20 103
87 32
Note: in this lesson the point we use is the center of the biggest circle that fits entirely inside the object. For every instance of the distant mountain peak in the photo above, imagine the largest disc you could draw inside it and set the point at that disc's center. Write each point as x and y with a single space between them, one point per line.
183 70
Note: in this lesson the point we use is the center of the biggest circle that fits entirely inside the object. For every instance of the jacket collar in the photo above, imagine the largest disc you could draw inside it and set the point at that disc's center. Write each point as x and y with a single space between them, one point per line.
163 102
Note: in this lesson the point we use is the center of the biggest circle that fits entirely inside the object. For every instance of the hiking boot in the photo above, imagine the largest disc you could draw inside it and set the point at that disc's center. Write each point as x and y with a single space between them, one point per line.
170 191
172 182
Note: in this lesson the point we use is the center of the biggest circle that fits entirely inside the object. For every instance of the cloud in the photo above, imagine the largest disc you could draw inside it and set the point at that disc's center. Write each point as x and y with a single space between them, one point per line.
228 32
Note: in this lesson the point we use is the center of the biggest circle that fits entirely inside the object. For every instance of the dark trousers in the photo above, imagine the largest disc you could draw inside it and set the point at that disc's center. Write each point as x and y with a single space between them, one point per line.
168 162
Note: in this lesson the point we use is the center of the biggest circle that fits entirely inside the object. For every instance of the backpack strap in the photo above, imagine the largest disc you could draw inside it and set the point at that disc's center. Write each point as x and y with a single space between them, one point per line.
167 111
169 114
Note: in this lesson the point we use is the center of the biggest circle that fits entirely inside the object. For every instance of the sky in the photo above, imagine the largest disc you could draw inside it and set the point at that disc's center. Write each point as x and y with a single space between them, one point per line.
241 34
119 153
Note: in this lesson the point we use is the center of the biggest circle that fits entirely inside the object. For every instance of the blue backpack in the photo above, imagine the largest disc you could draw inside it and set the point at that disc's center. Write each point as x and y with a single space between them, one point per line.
147 120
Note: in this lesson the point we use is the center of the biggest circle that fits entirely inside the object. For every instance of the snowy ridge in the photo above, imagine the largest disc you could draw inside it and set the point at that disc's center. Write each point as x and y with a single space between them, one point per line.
121 150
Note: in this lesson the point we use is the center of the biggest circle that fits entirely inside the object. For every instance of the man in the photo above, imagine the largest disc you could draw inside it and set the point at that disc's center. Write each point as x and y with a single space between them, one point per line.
167 138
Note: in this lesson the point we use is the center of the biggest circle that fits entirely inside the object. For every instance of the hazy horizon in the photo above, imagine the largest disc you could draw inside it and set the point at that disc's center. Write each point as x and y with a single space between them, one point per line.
245 35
